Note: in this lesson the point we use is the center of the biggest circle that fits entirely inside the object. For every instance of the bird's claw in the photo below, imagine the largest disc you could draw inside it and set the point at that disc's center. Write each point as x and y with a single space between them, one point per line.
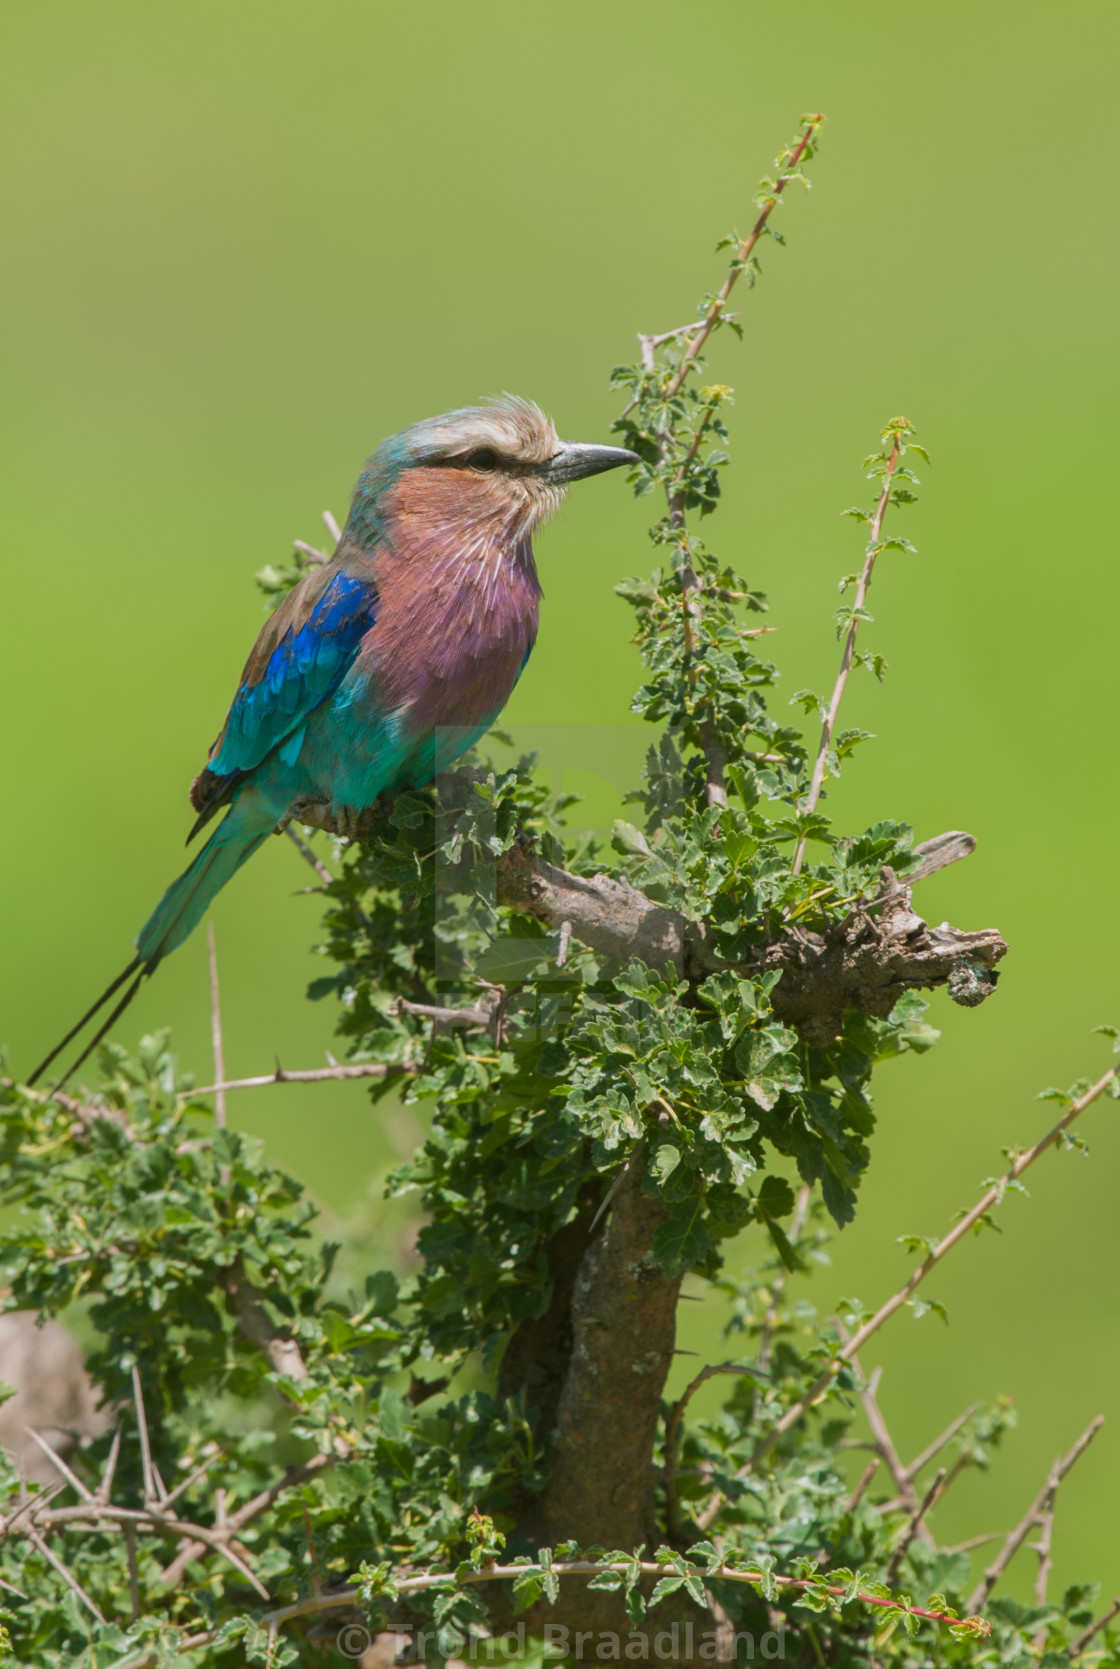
347 821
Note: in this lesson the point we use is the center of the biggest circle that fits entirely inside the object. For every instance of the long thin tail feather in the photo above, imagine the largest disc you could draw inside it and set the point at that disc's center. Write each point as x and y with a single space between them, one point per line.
86 1018
102 1030
245 827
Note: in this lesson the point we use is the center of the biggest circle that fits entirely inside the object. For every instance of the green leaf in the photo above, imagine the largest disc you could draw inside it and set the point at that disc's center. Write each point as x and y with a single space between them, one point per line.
665 1161
550 1582
666 1585
681 1242
391 1412
509 960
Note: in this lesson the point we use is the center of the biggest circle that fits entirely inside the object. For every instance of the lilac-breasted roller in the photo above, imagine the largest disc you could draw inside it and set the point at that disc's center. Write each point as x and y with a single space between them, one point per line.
386 663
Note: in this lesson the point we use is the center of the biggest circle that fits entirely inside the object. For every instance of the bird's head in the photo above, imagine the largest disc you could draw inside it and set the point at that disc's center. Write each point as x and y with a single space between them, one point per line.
502 462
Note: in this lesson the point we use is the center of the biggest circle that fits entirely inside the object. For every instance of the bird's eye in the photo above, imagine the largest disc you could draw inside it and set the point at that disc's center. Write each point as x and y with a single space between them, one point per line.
483 460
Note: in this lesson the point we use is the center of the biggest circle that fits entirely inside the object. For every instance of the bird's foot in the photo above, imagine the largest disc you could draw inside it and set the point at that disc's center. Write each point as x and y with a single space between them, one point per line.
347 821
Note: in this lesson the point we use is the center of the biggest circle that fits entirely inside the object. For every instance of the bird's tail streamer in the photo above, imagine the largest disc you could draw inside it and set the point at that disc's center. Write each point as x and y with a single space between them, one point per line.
245 827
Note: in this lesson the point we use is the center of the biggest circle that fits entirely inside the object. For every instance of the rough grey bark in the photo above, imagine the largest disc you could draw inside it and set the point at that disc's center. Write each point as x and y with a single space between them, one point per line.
866 962
610 916
624 1330
881 949
539 1354
604 1366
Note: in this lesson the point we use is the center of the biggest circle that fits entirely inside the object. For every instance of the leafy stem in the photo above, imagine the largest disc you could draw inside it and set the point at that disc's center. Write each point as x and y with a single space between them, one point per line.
884 465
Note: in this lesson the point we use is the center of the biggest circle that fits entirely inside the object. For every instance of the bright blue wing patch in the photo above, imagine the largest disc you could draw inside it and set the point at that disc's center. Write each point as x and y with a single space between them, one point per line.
302 671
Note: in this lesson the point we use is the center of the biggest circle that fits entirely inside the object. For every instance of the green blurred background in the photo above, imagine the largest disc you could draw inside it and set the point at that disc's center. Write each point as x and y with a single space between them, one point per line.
245 242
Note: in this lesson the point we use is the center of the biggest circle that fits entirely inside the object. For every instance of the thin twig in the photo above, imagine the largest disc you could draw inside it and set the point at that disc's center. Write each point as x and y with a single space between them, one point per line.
589 1567
743 254
315 1075
956 1234
973 1541
615 1186
223 1549
133 1572
672 1429
778 1285
828 724
216 1032
940 851
332 527
196 1477
70 1580
1045 1564
196 1537
650 344
939 1443
308 856
1083 1639
480 1015
865 1483
1031 1517
105 1486
57 1461
897 1300
676 491
914 1526
869 1397
151 1497
149 1660
244 1515
32 1505
310 551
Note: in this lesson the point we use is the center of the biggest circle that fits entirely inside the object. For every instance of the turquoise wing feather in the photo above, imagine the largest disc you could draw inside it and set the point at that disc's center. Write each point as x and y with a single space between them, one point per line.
298 661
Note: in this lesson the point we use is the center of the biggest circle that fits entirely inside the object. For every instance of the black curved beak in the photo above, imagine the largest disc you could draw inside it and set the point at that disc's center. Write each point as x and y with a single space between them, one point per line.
575 460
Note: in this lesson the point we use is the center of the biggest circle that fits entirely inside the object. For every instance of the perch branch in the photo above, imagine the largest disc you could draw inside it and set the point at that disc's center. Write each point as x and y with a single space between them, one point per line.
941 851
481 1016
865 961
308 856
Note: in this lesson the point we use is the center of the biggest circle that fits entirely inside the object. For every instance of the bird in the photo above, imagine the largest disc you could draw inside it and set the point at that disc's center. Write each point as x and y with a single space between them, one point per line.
387 662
